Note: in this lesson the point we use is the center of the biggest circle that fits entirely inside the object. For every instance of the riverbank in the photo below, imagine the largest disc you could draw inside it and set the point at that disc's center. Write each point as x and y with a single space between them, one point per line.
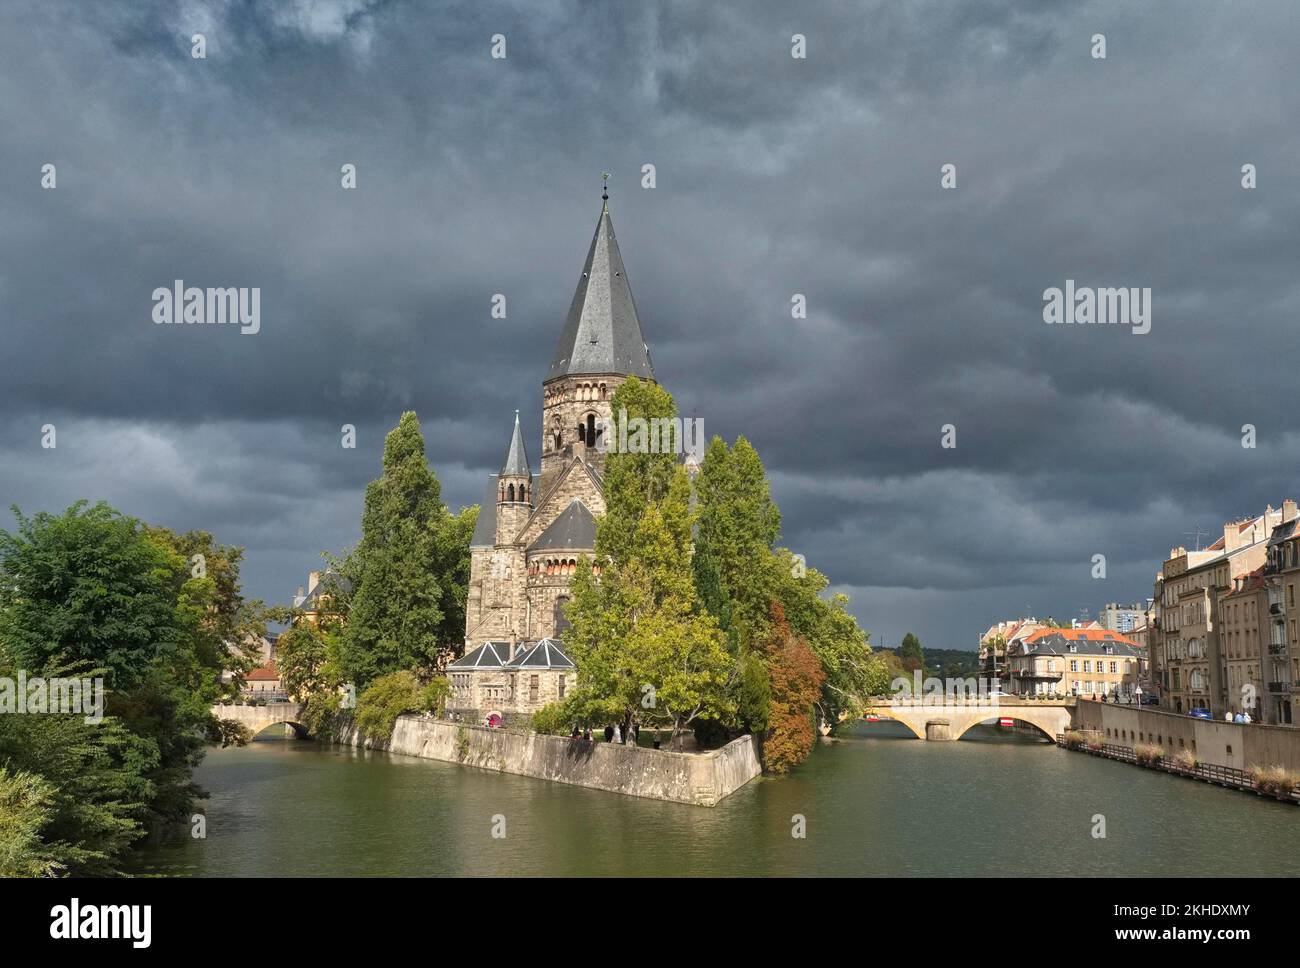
700 779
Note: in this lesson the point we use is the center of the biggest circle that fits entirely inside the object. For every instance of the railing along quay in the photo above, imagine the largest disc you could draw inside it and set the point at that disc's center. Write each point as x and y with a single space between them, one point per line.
1225 776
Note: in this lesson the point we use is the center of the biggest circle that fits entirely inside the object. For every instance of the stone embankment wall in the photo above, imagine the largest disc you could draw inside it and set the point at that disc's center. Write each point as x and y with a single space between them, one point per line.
703 779
1237 745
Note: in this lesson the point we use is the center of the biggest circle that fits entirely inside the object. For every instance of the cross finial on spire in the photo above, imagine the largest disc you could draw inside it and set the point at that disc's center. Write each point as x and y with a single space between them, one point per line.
604 192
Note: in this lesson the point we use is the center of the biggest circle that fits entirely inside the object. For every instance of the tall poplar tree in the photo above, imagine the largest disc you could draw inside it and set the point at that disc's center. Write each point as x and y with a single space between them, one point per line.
644 646
410 570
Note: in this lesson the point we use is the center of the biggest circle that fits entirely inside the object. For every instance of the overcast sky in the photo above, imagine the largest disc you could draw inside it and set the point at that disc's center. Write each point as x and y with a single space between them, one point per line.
775 176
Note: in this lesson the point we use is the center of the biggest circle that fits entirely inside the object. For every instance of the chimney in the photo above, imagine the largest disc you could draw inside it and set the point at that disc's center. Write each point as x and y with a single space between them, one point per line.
1289 511
313 579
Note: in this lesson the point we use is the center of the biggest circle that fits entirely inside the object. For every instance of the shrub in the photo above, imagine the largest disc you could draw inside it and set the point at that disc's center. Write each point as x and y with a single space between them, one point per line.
1148 754
433 697
384 700
1273 781
323 715
552 719
1185 759
1073 739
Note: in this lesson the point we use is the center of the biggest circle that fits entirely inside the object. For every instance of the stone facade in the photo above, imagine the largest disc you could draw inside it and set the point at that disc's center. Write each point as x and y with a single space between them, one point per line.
509 681
1199 659
530 535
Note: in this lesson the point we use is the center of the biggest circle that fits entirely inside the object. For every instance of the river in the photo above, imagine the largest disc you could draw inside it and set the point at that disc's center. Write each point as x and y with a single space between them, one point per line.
874 802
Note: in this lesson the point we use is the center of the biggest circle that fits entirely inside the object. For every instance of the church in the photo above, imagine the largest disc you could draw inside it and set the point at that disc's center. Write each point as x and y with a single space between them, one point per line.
532 528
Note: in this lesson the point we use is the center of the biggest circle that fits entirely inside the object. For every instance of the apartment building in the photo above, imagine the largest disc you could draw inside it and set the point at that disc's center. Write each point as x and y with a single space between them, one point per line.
1123 618
1282 673
1244 619
1189 669
1000 637
1090 663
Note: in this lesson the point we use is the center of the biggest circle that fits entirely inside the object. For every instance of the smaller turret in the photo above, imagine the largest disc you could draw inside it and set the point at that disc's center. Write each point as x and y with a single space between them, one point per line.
514 489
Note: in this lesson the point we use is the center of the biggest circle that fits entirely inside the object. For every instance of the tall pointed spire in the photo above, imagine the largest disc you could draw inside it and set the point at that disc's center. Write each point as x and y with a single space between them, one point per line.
602 333
516 464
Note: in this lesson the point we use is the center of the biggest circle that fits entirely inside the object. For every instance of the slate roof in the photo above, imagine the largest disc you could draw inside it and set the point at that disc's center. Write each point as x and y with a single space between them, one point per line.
516 464
602 333
574 527
485 529
545 654
1085 642
489 655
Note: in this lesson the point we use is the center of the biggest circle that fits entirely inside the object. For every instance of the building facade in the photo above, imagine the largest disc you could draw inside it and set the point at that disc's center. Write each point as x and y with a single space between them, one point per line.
501 681
1194 665
1123 618
1089 663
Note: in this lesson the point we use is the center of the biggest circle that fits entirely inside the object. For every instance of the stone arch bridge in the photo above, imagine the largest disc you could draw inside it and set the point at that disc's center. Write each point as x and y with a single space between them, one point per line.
948 718
258 718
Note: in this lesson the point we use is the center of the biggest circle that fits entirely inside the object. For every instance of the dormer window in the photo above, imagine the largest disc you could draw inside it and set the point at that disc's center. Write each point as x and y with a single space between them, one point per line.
1073 647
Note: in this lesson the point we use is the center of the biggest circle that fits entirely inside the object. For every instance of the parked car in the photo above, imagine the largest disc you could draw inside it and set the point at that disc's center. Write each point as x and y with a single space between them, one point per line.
1200 713
1149 700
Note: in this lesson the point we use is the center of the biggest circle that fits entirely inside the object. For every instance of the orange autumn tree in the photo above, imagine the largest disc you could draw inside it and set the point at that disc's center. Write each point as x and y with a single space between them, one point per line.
795 676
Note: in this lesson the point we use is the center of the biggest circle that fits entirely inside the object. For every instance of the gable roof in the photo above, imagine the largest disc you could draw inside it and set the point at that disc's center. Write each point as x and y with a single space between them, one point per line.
574 527
489 655
545 654
602 333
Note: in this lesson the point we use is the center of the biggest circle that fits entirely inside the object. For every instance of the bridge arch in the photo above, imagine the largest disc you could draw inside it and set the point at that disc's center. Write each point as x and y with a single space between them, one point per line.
901 720
298 728
257 718
1044 731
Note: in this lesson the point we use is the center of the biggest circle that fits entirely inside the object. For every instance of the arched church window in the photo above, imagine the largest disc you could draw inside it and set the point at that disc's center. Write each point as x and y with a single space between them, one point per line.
561 621
511 491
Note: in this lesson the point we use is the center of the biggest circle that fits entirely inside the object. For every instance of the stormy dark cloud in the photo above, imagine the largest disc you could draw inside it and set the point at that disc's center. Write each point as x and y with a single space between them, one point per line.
775 176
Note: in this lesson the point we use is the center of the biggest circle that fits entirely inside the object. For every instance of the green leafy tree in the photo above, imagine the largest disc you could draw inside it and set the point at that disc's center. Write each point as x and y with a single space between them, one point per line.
410 571
645 648
92 589
741 574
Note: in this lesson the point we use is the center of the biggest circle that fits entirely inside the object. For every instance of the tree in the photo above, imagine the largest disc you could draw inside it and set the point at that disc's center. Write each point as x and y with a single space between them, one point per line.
742 574
796 678
303 654
93 592
644 647
911 654
410 570
738 527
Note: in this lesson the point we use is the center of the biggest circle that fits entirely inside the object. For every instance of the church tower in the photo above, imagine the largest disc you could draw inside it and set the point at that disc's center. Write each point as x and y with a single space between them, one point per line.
601 345
514 490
